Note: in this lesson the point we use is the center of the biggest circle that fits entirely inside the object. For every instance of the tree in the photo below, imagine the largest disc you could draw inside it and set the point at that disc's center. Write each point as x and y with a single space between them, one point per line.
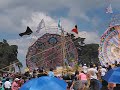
87 53
8 54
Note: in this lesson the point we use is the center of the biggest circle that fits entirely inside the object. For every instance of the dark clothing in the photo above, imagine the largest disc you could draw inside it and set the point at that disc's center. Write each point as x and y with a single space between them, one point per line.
40 75
94 85
116 88
66 77
104 88
7 88
77 85
104 85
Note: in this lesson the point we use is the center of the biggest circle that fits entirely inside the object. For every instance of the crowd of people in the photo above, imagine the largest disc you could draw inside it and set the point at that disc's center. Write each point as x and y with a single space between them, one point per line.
87 78
10 81
91 78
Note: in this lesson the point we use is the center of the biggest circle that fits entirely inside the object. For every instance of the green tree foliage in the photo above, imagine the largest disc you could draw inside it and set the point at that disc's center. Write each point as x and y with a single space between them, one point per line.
8 54
87 53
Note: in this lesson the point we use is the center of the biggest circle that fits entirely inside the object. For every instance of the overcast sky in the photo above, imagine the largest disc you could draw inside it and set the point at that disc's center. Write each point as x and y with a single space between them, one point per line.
89 15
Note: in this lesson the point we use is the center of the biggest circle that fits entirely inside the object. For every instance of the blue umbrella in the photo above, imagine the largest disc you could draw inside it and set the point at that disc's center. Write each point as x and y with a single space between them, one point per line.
45 83
113 75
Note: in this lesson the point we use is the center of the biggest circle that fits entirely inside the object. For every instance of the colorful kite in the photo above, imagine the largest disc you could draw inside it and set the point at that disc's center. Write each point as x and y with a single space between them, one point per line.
47 52
109 48
27 32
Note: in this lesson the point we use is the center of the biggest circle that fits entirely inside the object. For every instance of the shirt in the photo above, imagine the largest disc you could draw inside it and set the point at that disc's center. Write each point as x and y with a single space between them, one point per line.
93 73
82 76
103 71
51 74
7 84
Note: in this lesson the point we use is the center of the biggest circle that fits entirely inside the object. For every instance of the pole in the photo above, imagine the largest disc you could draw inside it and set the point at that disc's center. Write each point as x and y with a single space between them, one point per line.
63 47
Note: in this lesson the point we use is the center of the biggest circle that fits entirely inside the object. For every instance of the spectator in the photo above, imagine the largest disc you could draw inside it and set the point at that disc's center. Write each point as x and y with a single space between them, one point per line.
92 72
15 85
104 85
1 86
7 84
83 78
41 73
51 73
76 84
117 87
109 67
85 68
111 86
103 71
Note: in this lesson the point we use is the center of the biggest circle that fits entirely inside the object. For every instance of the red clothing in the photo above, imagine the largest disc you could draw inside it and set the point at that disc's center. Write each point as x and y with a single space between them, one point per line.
15 86
82 76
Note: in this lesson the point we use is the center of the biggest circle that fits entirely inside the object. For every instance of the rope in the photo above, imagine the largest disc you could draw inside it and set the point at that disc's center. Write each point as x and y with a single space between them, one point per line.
38 54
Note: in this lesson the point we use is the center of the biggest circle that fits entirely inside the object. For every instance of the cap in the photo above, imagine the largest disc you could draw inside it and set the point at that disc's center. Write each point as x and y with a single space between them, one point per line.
17 79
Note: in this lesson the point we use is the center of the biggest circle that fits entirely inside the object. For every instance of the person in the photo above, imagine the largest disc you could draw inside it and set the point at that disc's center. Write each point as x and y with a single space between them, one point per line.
1 86
109 67
51 73
7 84
76 84
41 73
34 74
116 63
15 85
21 81
99 73
85 68
111 86
104 85
3 80
94 66
117 87
83 78
92 73
103 71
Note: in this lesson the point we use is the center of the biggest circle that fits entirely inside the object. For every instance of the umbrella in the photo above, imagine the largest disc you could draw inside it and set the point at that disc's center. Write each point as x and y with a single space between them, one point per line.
113 75
45 83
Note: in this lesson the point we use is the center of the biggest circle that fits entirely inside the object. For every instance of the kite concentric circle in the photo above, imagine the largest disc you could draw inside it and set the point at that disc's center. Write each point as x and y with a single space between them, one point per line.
109 48
47 52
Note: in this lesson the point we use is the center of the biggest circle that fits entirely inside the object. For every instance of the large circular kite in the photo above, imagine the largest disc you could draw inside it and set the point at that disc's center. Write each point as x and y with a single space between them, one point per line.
109 48
47 52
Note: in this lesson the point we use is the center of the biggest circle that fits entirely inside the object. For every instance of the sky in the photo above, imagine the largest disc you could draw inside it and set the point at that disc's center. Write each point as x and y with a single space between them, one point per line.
89 15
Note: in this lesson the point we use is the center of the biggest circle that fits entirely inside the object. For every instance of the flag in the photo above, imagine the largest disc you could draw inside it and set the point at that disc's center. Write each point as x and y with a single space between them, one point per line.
27 32
59 23
75 29
41 25
109 9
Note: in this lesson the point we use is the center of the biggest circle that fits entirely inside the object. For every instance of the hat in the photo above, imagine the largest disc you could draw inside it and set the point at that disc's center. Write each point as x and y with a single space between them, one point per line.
17 79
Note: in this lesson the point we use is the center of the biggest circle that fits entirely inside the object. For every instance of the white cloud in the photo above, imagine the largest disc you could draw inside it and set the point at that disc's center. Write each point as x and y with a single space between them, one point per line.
13 11
91 37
